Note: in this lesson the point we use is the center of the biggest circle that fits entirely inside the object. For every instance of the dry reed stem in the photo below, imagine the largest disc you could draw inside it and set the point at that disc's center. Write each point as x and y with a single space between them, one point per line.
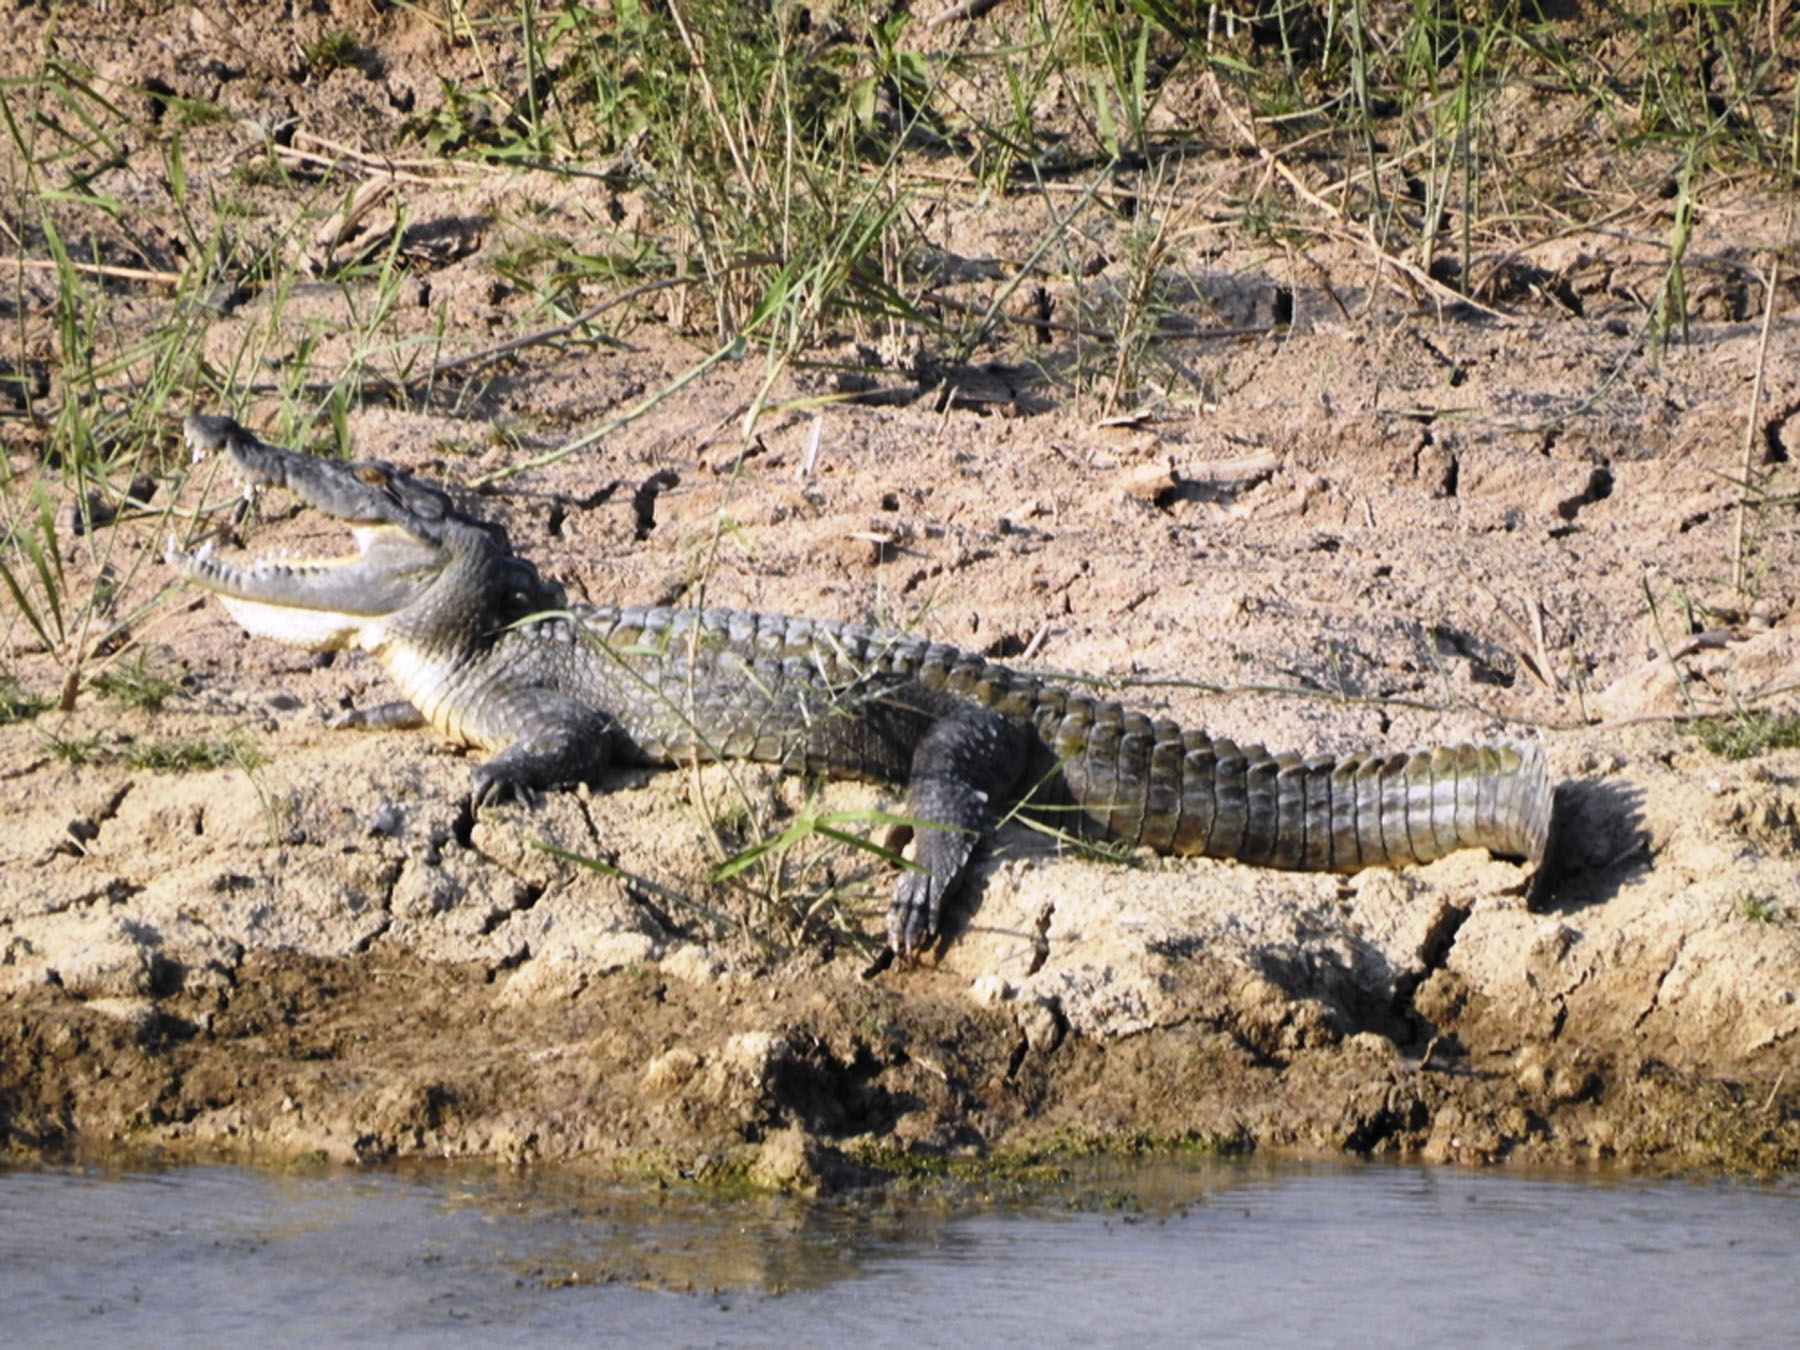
1756 388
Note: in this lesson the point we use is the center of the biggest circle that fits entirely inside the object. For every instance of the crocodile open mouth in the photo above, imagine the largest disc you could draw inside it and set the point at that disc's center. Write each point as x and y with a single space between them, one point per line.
319 603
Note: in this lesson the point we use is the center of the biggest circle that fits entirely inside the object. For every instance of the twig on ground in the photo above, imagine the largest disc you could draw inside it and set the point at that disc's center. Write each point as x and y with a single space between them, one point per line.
1531 648
962 9
1031 320
1230 472
103 270
731 350
312 158
587 316
1341 228
383 163
1756 388
555 331
1769 1101
1082 330
347 226
1535 612
1653 718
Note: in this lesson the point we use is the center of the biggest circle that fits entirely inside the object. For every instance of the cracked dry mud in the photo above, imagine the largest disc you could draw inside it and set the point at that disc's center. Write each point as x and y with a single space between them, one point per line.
1363 536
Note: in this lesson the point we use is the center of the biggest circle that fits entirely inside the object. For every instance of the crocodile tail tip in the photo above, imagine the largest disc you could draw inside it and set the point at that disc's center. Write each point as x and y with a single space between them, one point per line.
1537 816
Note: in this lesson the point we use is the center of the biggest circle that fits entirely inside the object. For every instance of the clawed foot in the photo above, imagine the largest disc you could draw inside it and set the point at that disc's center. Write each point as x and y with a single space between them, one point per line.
912 918
493 789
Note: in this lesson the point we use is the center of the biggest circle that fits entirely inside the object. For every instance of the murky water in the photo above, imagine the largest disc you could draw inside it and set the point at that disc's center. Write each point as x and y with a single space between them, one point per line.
1204 1253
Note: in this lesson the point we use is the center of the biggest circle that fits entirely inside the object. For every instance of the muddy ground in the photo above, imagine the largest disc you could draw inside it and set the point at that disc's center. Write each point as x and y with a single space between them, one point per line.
1387 522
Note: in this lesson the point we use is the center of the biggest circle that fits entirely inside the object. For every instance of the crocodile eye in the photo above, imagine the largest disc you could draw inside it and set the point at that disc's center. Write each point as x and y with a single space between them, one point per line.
372 474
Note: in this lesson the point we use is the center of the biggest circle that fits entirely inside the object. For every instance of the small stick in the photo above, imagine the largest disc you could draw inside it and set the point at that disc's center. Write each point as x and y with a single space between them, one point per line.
1537 663
1416 274
730 351
550 334
1756 388
812 446
298 156
103 270
1032 320
589 315
1037 640
340 226
374 161
1535 612
1226 472
1658 718
1770 1099
962 9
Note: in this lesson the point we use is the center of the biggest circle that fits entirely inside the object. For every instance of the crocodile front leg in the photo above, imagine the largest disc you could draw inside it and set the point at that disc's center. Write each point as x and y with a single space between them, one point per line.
398 715
968 759
558 741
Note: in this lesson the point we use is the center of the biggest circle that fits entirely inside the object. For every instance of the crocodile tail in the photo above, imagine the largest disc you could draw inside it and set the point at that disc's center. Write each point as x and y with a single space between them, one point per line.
1149 783
1330 814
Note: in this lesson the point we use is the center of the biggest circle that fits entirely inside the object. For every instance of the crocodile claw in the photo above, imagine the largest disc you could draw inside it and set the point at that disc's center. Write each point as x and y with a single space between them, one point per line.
912 916
492 789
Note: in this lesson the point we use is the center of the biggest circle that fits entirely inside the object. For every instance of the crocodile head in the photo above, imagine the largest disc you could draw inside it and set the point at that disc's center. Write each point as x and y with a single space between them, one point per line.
410 541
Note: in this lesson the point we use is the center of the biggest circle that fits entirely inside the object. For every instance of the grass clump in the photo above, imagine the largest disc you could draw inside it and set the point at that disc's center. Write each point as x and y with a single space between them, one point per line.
788 883
17 703
137 683
338 50
785 888
764 149
1745 735
192 754
172 755
1762 908
75 749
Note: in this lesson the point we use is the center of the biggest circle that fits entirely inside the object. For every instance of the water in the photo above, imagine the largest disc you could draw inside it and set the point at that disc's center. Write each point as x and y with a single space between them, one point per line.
1206 1253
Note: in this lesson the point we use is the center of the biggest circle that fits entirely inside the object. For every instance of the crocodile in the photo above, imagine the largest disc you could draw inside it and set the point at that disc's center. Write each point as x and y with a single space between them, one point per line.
493 657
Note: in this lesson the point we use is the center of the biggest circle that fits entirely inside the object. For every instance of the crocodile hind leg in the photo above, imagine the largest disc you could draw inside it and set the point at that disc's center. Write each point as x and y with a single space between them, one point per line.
968 760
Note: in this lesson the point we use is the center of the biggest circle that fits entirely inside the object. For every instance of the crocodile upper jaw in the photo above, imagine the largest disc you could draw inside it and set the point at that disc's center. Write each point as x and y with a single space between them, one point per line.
365 492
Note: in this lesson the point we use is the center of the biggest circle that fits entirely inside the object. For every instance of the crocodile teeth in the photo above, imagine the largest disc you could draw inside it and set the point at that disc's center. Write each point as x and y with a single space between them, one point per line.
173 553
